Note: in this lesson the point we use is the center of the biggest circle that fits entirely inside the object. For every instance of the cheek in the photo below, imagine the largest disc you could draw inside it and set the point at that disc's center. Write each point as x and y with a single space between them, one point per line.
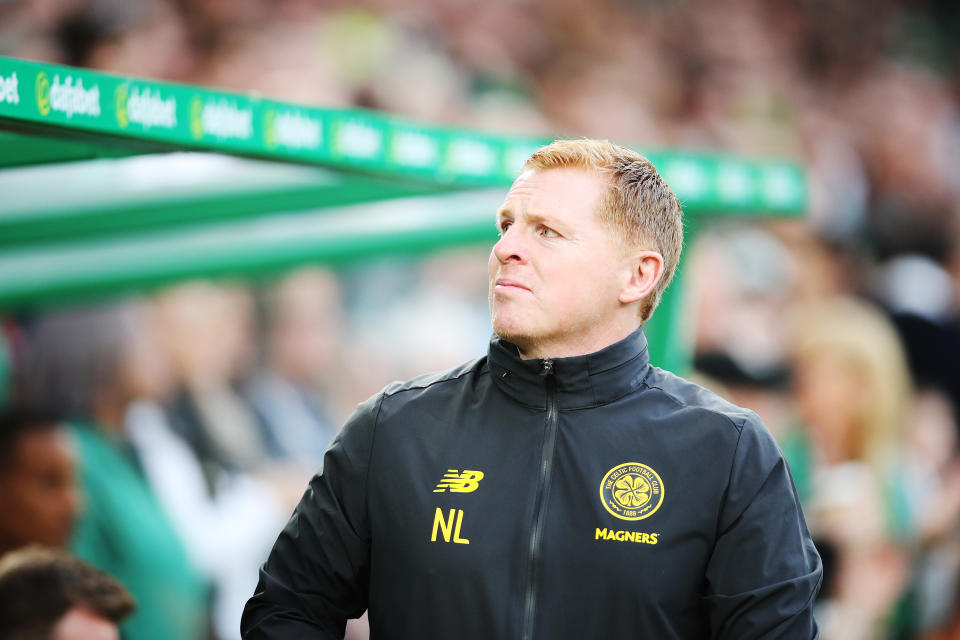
827 393
809 387
586 284
25 513
51 513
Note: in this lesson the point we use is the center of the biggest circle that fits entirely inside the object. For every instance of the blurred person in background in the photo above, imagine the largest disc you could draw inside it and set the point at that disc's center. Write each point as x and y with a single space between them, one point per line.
38 486
917 285
80 363
919 292
49 595
388 301
227 527
207 331
853 391
302 340
931 450
741 283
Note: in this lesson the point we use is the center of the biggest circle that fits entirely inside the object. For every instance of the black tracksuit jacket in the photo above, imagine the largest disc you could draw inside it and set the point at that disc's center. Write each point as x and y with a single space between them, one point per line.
587 497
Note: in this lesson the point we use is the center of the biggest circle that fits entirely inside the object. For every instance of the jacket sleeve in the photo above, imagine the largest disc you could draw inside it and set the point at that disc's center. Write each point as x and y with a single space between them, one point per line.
317 574
764 572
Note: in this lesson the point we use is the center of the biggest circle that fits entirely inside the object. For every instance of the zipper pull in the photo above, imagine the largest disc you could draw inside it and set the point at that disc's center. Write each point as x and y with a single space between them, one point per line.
547 369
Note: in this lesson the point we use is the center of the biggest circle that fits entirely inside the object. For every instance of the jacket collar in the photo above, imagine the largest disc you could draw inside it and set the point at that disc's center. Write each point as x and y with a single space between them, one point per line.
582 381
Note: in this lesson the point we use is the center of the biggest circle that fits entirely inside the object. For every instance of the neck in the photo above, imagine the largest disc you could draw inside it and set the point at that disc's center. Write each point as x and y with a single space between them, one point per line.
109 417
581 346
837 443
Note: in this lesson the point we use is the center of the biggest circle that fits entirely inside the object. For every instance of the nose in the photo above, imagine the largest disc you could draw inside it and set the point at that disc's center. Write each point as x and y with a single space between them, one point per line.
509 248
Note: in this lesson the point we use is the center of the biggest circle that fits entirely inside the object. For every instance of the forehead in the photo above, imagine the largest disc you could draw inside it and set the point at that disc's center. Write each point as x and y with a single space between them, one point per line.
565 193
80 624
37 449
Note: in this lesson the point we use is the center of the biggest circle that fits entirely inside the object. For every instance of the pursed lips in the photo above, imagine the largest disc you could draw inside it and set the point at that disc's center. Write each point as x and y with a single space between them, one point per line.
504 282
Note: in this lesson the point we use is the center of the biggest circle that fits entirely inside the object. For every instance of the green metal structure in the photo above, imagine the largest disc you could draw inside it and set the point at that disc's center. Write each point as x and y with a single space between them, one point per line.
113 184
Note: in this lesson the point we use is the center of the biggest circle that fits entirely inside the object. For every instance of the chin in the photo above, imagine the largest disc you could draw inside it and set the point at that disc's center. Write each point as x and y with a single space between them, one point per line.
513 333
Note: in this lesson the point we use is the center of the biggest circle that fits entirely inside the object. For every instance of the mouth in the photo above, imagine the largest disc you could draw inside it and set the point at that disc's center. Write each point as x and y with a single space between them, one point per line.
509 284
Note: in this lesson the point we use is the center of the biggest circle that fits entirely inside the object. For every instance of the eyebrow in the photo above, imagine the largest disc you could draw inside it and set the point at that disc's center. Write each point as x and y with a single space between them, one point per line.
506 212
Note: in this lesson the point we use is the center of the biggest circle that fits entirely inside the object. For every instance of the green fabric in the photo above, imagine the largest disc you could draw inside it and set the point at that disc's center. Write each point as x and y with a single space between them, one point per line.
123 531
798 452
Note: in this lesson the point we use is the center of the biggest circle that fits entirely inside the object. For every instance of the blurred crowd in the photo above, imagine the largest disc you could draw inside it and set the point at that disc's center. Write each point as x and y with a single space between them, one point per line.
166 439
197 414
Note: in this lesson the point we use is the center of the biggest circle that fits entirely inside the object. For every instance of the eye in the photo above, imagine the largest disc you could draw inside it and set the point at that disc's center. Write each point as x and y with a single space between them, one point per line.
503 226
547 232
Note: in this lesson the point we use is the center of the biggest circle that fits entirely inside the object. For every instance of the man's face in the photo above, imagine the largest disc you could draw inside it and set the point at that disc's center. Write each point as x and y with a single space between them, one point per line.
557 272
38 490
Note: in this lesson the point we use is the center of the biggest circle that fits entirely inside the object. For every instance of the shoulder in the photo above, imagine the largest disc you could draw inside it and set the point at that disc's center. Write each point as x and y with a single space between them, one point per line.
688 397
91 444
754 453
436 383
431 388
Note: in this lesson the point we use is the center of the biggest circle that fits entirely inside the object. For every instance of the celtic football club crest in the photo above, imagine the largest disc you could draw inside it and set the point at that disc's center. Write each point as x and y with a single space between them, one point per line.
631 491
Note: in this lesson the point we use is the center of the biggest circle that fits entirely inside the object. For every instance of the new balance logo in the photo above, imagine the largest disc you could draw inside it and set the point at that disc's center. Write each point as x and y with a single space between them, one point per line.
458 482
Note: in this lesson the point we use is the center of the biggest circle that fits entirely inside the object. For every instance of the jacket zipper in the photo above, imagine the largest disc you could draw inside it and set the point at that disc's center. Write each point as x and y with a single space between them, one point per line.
540 503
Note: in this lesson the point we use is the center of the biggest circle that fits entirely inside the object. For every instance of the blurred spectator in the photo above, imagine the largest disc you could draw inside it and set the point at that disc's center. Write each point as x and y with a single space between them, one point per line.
139 28
227 528
303 329
931 450
226 532
49 595
122 529
742 280
390 300
920 294
853 393
206 330
38 488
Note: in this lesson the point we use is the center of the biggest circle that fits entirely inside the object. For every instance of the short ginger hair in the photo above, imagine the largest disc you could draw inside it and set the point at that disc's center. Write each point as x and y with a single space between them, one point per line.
639 207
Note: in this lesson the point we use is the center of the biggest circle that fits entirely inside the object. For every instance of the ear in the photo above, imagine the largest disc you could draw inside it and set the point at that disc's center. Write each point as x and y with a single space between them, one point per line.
645 271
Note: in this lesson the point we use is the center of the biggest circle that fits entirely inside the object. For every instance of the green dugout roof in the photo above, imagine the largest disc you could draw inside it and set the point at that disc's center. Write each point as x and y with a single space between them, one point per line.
112 184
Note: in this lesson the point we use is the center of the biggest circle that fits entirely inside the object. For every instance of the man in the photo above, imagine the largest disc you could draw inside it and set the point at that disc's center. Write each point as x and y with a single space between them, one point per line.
561 487
38 488
49 595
